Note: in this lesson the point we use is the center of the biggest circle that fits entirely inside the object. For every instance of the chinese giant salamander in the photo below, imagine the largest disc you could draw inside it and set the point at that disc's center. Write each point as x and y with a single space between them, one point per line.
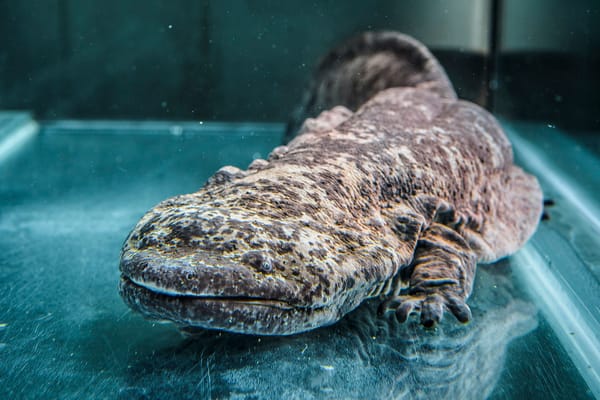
398 199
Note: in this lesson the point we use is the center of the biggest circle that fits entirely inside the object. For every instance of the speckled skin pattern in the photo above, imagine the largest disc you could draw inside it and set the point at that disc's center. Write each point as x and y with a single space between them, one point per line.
399 199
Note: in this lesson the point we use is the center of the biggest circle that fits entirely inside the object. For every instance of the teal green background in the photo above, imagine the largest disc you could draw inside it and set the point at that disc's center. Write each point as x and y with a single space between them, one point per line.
246 60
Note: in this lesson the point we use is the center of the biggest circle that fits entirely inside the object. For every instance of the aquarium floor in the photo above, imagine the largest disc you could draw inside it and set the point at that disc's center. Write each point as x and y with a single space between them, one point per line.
69 196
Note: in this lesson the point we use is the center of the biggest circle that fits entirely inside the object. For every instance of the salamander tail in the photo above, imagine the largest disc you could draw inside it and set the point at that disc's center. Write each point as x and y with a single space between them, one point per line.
352 73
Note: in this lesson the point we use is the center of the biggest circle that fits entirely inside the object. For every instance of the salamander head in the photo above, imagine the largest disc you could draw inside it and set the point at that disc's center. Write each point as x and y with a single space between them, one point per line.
230 262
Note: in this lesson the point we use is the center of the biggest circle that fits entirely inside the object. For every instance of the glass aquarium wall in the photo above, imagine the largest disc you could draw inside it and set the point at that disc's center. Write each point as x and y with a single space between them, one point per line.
548 63
547 91
233 60
250 61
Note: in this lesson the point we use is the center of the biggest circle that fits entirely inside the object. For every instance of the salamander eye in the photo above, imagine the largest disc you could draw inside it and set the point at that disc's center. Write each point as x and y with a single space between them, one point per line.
266 266
259 261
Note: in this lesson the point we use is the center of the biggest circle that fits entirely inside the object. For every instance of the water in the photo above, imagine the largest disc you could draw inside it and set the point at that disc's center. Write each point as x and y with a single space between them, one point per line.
68 198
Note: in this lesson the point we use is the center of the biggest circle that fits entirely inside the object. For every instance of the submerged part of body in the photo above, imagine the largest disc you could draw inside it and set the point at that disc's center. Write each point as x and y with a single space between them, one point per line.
398 199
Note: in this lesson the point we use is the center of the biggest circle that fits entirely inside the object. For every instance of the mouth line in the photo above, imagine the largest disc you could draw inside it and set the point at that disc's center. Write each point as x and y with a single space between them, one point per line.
242 314
241 300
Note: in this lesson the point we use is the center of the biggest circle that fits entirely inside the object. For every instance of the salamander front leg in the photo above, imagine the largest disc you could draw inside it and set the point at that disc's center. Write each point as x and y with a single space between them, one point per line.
440 278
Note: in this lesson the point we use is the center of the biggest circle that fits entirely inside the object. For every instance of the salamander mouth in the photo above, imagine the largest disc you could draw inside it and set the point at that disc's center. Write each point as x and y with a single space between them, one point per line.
248 315
201 275
256 301
201 290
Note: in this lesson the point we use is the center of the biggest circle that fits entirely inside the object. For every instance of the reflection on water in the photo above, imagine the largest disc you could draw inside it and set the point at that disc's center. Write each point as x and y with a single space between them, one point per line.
361 357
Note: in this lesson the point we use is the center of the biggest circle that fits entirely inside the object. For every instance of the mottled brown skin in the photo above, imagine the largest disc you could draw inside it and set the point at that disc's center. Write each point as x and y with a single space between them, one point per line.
399 199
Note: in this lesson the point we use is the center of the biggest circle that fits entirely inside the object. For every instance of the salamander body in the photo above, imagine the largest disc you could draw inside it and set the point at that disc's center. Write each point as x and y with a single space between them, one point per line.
396 190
